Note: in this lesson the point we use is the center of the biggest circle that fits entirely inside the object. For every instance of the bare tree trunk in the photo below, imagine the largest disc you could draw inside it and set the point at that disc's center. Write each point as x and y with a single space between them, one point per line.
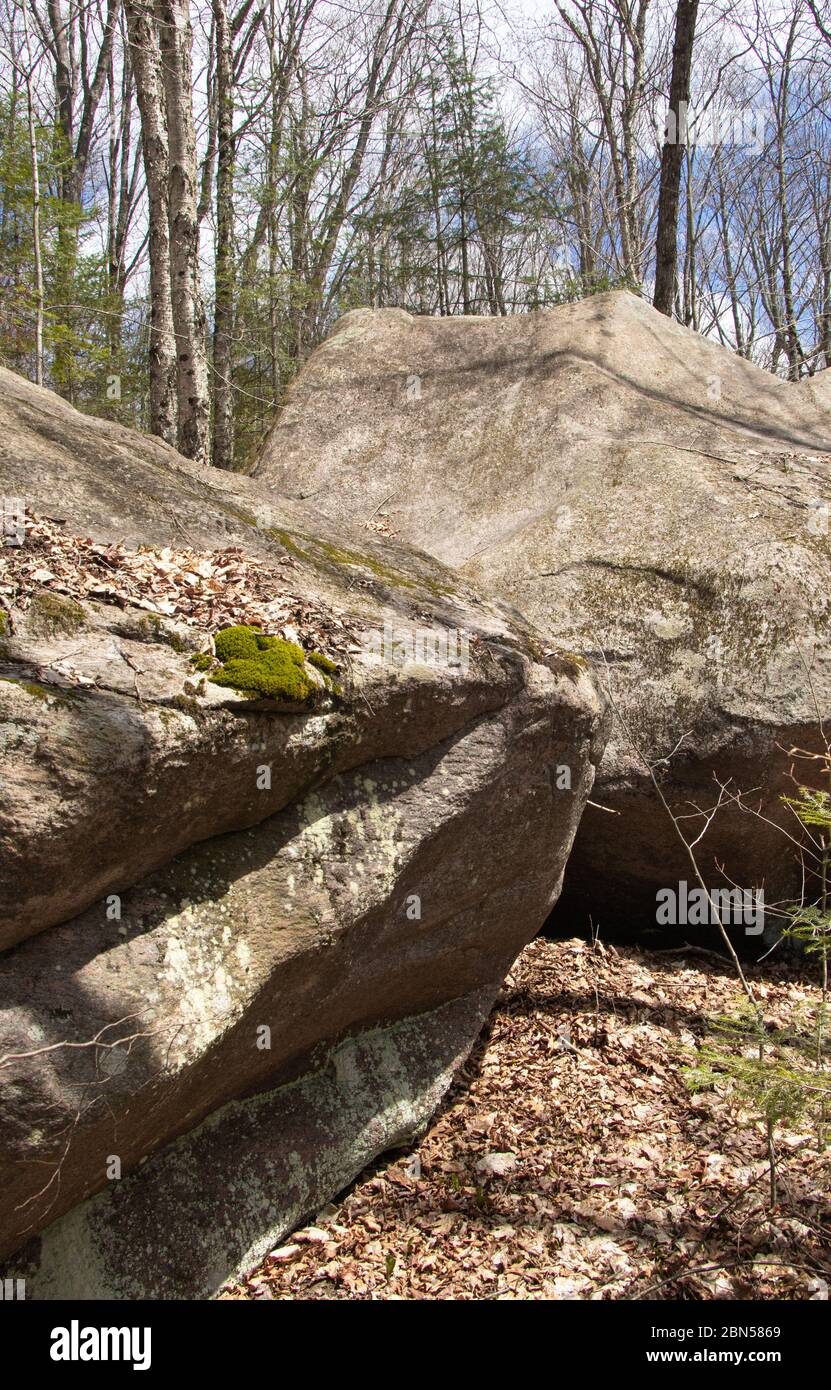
672 157
633 24
629 21
223 405
689 313
395 32
727 254
825 303
125 170
175 39
146 64
33 151
464 241
790 331
209 161
577 175
793 347
78 91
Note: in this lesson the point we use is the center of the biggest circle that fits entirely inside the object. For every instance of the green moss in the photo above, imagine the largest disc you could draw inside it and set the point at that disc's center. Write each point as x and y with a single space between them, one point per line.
272 675
238 513
328 670
339 556
202 661
242 643
4 623
259 665
188 705
50 614
39 692
153 626
324 550
288 543
323 663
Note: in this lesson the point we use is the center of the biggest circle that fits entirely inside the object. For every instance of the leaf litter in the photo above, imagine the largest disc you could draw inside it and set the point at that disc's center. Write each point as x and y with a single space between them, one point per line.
203 589
570 1160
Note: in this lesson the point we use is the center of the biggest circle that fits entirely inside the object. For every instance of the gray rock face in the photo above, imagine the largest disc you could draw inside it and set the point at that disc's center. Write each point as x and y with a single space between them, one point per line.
267 980
104 782
645 497
212 1204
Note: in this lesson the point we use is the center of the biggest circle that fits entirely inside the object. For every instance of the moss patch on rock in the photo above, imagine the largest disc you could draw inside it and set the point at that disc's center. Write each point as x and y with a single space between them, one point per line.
154 627
50 614
323 663
241 643
39 692
258 665
328 669
187 705
319 552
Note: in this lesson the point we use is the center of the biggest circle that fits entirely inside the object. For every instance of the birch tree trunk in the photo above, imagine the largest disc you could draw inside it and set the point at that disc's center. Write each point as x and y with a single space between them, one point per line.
146 64
223 405
175 39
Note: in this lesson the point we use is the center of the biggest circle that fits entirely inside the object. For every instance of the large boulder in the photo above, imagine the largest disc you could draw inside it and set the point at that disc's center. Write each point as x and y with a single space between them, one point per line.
248 935
643 495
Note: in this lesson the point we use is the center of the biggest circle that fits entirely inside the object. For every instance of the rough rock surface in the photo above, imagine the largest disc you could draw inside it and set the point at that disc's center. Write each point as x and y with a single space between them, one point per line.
289 970
214 1202
642 495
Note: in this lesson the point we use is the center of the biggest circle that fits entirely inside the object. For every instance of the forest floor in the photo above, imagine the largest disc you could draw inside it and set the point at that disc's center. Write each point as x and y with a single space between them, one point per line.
571 1161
